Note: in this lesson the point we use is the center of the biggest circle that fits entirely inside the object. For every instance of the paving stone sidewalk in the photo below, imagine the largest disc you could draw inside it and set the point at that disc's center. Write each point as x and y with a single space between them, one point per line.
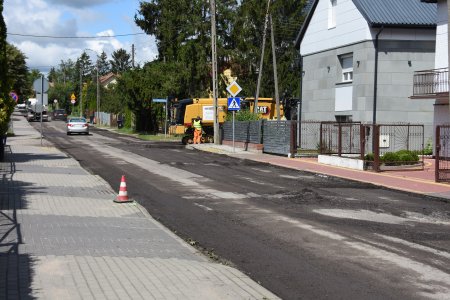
63 237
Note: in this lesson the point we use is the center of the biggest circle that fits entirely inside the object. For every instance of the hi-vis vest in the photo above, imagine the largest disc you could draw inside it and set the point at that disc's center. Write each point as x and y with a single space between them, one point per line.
197 125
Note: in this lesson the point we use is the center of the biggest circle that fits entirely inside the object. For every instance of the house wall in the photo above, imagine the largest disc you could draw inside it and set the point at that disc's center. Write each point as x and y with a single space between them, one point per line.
442 35
351 27
395 75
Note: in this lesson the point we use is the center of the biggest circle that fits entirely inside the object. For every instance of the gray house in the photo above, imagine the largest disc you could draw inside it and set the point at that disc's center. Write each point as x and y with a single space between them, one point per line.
359 57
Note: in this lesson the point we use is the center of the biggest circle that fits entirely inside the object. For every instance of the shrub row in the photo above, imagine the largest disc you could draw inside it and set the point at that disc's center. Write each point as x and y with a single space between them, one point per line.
402 157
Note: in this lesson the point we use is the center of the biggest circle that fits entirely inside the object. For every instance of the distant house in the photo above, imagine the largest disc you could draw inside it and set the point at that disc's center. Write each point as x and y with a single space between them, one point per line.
432 83
358 58
108 79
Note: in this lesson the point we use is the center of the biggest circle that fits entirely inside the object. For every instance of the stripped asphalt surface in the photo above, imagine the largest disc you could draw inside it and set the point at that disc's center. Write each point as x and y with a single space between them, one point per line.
299 234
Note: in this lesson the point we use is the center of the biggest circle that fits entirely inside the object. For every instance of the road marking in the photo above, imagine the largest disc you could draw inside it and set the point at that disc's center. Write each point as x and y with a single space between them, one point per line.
203 206
414 245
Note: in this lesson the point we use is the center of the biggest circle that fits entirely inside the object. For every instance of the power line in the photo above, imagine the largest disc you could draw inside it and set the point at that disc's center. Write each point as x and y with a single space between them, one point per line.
75 37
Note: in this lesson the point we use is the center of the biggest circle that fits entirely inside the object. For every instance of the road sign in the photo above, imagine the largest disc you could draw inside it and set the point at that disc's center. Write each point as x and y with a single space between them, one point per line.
234 103
73 98
159 100
14 96
40 86
234 89
72 101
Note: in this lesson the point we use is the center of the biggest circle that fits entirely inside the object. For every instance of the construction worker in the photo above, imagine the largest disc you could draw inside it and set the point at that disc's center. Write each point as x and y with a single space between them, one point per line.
197 130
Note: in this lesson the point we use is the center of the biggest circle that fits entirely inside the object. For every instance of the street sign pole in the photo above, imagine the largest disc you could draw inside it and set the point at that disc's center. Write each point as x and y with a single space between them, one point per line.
234 113
165 124
42 103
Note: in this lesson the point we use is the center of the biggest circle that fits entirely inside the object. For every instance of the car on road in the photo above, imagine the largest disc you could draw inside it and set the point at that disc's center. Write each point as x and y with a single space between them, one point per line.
59 114
77 125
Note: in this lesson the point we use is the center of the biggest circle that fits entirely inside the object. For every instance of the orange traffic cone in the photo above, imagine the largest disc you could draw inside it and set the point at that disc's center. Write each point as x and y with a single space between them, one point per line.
123 195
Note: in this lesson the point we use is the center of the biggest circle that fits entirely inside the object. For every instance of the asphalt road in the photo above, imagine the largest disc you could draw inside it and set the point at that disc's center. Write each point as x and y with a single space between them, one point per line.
301 235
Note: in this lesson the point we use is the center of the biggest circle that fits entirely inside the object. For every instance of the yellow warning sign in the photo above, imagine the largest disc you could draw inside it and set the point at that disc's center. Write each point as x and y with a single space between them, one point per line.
73 97
234 89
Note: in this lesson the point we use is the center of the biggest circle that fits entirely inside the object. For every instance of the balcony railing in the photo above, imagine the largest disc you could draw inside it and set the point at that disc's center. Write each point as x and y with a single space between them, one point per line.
430 82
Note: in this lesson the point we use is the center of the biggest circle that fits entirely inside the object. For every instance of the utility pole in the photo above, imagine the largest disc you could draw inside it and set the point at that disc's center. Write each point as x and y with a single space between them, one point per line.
214 70
132 55
275 76
262 58
98 97
81 90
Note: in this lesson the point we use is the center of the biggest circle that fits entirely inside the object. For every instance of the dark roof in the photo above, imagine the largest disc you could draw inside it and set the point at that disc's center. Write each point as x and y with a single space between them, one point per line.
387 13
398 13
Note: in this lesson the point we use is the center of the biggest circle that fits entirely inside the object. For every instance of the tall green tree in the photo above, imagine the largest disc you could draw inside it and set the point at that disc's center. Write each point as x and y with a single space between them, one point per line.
104 67
120 62
6 102
136 89
18 71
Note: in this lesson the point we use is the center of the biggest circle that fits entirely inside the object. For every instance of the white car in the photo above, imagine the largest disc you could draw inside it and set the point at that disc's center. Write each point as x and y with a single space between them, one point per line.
21 106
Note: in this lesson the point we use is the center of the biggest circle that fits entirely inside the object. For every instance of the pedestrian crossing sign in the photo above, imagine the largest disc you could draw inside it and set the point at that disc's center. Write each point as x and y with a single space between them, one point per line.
234 103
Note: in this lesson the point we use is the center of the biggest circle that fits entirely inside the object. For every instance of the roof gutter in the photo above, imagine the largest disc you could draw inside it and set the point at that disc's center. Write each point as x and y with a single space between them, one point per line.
375 83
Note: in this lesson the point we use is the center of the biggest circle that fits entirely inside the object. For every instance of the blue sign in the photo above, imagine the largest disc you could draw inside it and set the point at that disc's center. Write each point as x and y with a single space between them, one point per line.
234 103
159 100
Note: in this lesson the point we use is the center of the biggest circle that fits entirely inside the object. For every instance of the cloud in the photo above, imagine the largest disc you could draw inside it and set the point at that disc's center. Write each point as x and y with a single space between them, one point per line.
78 3
42 18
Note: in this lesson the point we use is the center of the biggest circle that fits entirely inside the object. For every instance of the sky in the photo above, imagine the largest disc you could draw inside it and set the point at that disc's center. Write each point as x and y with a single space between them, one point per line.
74 18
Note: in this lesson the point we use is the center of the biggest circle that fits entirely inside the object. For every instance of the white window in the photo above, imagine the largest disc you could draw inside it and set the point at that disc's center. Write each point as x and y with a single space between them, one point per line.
332 14
347 68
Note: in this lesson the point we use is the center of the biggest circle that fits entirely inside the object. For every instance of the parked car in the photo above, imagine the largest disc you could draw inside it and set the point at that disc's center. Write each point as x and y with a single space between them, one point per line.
59 114
77 125
22 107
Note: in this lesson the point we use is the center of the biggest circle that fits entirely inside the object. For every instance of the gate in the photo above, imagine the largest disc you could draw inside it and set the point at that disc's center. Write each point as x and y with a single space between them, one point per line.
442 155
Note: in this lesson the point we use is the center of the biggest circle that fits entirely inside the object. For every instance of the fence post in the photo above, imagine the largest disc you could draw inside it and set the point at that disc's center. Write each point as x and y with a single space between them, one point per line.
362 140
293 138
339 139
437 151
320 141
376 146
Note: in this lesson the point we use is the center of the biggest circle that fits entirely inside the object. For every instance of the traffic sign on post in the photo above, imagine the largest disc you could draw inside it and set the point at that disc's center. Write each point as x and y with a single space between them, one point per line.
14 96
234 88
40 85
234 103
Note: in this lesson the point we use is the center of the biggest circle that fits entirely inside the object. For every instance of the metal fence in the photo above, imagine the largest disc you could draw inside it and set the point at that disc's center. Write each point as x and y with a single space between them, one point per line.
340 138
442 157
380 146
381 140
244 131
308 137
279 137
430 82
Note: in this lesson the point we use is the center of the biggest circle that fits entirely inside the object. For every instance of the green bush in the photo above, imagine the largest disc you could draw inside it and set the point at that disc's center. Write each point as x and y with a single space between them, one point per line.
243 115
369 157
428 148
389 158
400 157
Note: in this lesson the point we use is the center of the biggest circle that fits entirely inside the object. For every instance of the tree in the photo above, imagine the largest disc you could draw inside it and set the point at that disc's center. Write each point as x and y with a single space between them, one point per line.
103 64
18 71
120 62
6 102
136 88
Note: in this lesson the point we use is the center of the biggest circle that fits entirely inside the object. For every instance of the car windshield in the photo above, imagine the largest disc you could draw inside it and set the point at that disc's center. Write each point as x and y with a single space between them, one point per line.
77 120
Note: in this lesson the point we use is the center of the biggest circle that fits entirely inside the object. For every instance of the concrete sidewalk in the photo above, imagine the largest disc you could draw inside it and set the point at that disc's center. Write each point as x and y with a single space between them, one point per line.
415 181
63 237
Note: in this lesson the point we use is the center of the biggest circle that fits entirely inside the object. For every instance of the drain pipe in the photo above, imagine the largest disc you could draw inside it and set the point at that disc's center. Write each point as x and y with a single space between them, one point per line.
375 83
